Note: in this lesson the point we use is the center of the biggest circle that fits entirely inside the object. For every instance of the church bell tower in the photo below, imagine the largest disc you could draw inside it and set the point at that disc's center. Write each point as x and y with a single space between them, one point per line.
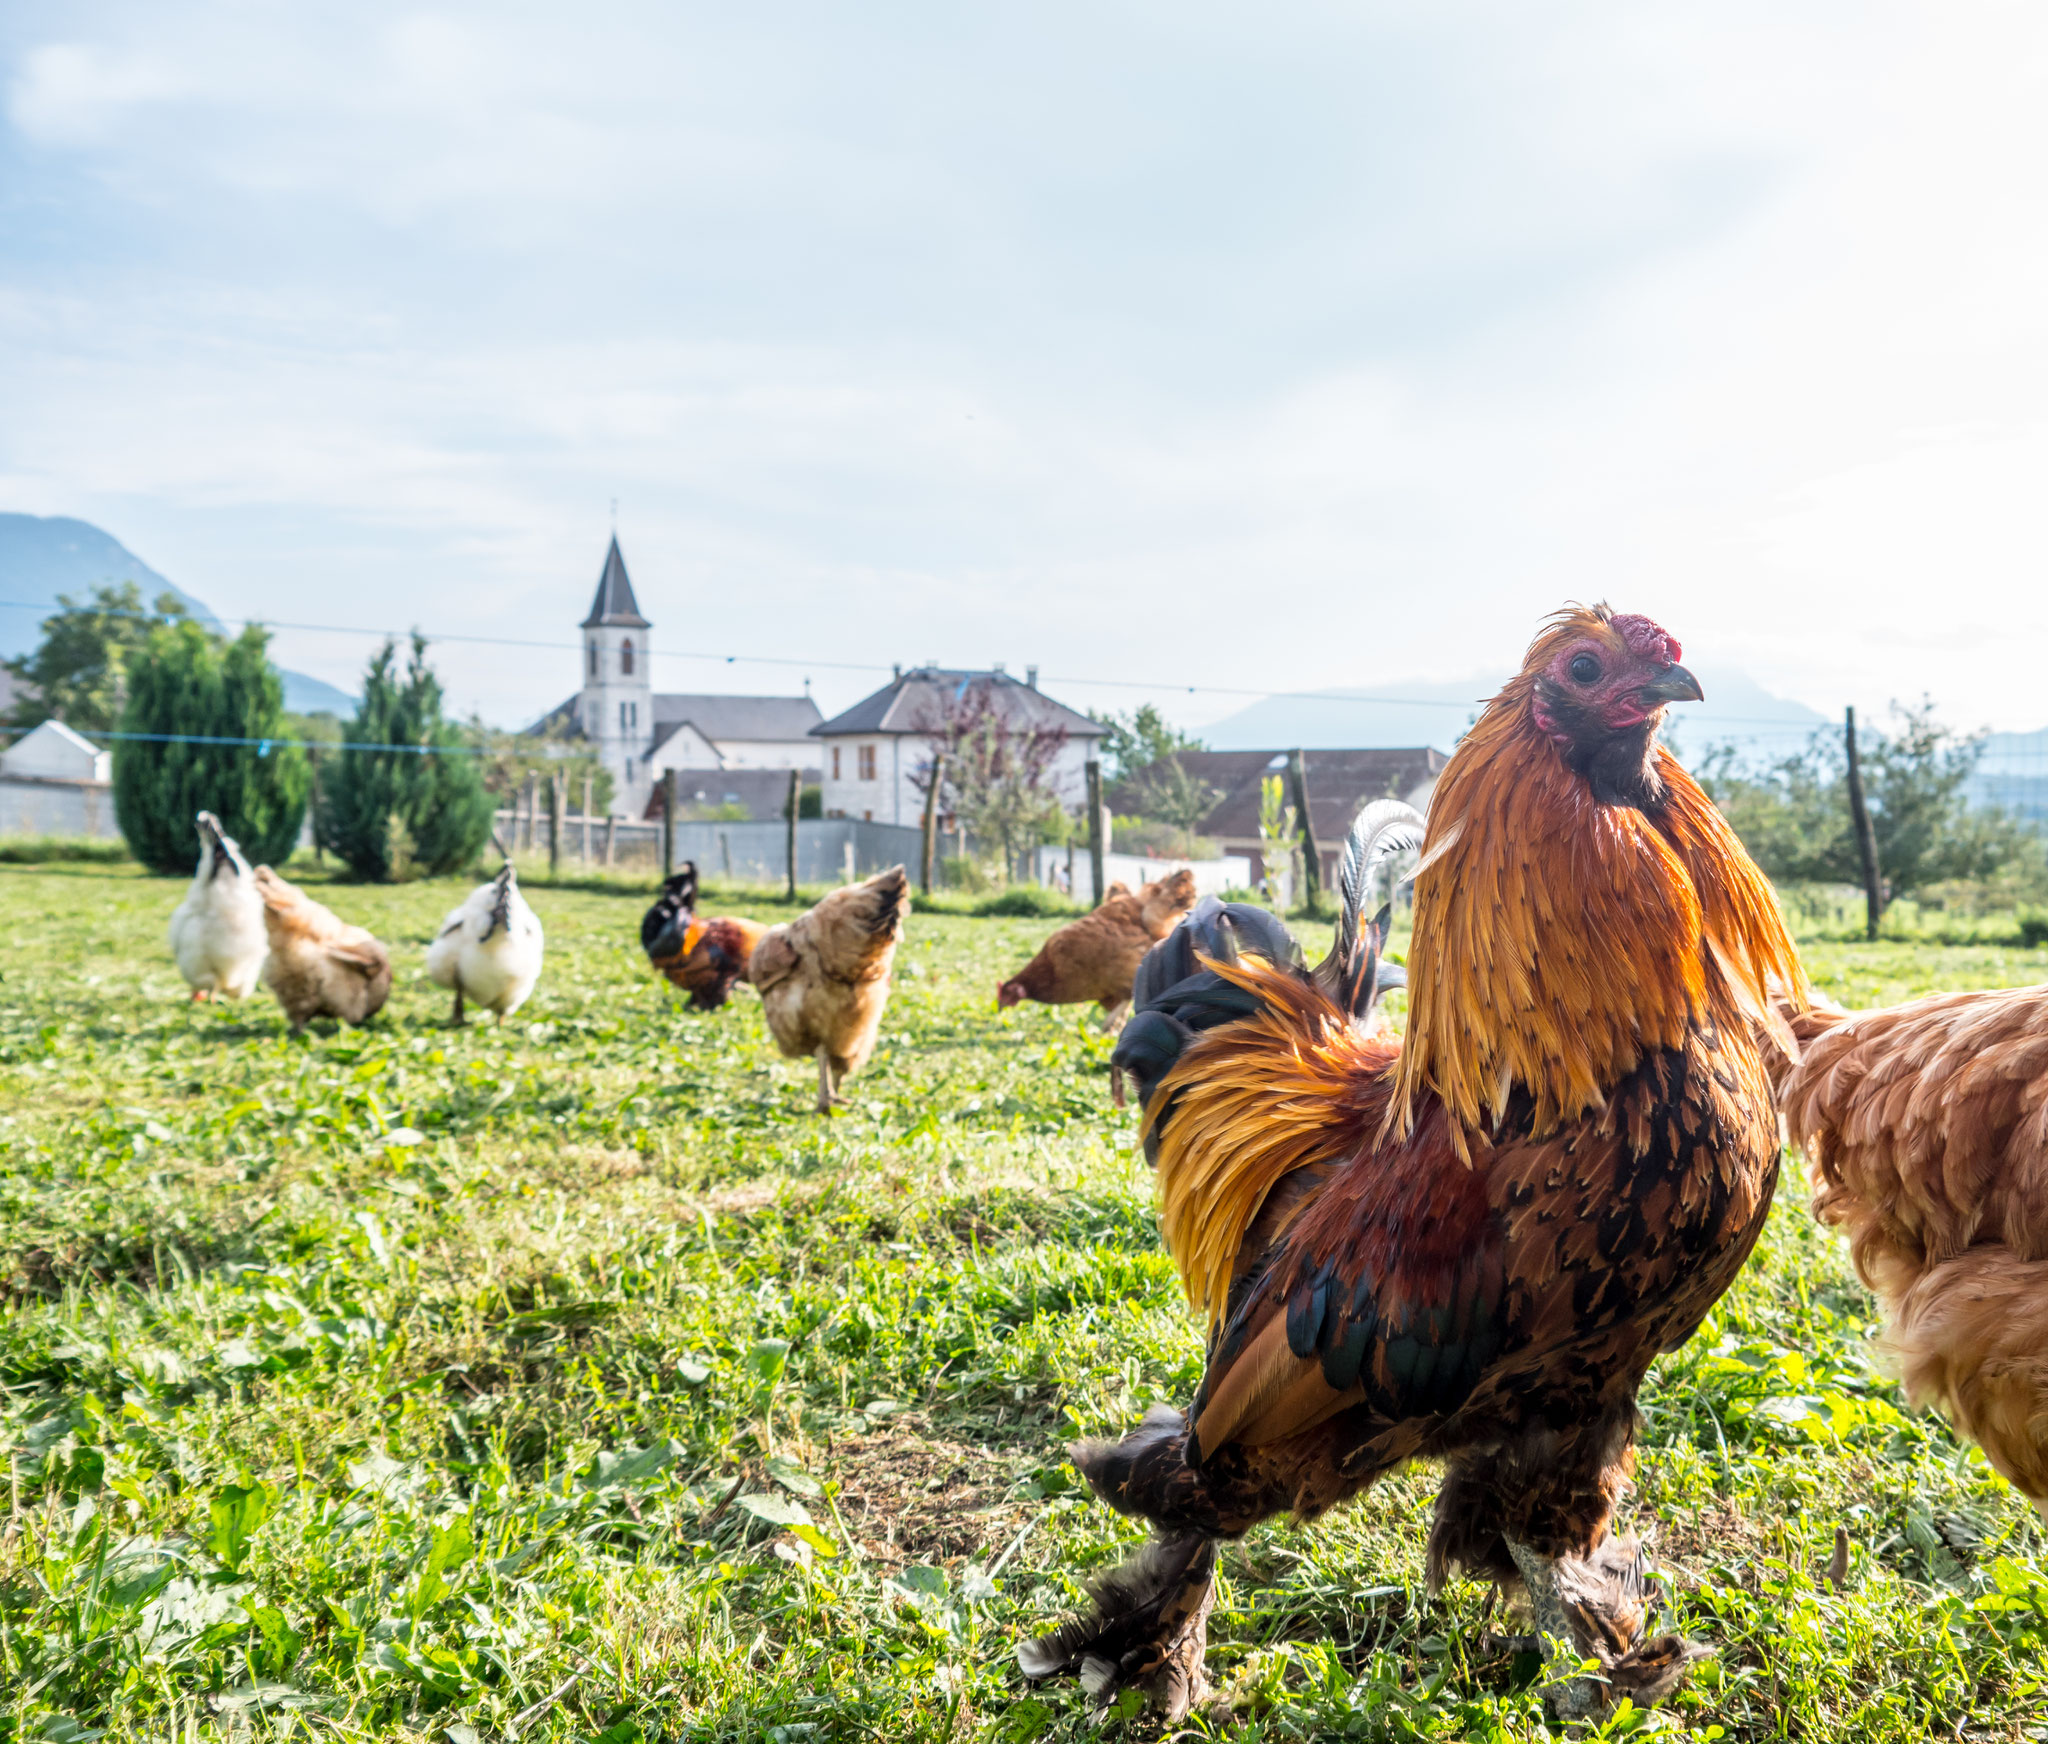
616 708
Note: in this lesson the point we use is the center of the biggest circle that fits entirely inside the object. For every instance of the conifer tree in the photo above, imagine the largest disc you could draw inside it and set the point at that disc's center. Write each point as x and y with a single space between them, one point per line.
211 710
419 807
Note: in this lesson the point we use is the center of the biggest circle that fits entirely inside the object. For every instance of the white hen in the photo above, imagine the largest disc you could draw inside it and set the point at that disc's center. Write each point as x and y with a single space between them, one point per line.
217 932
489 949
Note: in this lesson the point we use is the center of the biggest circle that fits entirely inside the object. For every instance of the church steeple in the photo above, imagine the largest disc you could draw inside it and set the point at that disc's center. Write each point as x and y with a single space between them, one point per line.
615 604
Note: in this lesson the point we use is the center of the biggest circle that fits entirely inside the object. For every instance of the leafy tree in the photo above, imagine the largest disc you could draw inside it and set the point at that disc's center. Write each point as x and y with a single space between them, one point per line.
1165 790
1279 841
185 685
1793 815
420 806
1134 742
78 673
509 760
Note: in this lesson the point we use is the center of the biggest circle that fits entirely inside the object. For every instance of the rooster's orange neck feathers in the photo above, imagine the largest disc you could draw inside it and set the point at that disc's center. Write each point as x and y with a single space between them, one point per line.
1558 941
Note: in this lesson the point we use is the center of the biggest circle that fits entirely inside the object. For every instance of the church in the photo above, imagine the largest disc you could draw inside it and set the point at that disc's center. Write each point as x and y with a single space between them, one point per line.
639 733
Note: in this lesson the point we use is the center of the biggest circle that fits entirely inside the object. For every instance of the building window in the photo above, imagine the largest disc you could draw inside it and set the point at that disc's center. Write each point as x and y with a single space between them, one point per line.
867 762
626 655
835 762
623 722
593 660
867 817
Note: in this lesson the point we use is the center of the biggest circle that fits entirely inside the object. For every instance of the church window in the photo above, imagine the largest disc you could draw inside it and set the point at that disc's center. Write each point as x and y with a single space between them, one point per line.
626 656
593 660
624 723
867 762
835 762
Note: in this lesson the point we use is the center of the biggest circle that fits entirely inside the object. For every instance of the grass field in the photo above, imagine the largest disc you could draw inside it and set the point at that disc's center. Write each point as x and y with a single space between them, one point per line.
570 1381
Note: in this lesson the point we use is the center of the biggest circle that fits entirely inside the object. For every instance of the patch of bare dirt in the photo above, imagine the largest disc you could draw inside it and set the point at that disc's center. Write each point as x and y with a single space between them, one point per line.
908 1496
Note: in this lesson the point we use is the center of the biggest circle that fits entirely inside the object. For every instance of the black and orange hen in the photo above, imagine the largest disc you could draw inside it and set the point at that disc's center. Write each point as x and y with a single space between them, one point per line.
1470 1245
705 958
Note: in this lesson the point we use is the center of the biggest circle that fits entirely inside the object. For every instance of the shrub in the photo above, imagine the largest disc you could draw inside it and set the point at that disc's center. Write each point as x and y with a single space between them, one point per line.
45 850
1027 899
190 685
2033 927
419 808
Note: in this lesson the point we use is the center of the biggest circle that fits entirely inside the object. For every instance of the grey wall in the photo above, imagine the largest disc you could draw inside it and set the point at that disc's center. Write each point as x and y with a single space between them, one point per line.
56 808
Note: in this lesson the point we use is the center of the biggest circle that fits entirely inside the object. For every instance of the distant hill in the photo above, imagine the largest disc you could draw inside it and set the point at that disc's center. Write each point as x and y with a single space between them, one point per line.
1436 711
43 556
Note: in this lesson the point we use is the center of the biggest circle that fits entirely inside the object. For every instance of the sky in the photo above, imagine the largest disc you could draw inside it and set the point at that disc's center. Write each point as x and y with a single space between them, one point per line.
1247 349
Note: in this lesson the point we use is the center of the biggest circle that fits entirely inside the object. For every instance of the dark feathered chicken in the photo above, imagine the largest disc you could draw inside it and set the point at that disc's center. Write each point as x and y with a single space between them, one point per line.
706 958
1469 1246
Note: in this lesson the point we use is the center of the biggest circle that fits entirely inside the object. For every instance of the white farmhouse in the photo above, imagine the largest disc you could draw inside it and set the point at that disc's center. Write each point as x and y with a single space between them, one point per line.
53 752
637 733
878 754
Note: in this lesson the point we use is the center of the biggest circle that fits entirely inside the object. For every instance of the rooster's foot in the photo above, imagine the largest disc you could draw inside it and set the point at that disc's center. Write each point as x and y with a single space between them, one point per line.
1597 1607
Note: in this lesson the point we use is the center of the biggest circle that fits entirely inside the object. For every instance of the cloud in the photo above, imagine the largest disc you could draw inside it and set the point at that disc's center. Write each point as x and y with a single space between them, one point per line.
1132 341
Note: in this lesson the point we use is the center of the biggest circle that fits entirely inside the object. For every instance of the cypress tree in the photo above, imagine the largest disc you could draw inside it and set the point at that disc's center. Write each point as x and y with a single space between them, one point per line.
187 682
418 807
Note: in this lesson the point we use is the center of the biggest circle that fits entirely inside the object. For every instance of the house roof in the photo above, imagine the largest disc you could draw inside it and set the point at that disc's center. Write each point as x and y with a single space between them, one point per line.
736 717
615 603
718 718
52 750
1339 782
914 702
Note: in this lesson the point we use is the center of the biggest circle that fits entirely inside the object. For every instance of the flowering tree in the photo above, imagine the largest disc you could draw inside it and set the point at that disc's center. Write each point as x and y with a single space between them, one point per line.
998 765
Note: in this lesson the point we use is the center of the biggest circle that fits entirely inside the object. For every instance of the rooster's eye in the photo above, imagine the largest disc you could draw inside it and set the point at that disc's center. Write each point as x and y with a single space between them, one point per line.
1584 669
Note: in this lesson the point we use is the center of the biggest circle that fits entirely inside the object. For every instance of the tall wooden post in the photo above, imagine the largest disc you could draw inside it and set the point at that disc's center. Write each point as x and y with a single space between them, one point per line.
313 757
668 824
1098 848
1866 836
557 800
611 824
532 807
1311 855
930 864
586 820
796 802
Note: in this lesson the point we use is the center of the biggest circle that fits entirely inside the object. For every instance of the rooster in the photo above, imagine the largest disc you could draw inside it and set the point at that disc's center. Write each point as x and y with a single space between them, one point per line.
489 948
824 977
1097 956
319 965
217 931
1470 1246
1925 1128
703 957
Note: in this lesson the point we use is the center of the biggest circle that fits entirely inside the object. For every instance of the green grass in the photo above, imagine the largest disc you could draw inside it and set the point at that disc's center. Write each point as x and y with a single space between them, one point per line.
569 1381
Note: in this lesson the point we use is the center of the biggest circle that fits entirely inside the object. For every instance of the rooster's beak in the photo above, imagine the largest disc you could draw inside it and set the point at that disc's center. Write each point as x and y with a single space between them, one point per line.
1673 684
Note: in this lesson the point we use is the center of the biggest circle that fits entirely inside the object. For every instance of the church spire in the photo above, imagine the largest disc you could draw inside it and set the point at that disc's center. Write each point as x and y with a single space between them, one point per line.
615 603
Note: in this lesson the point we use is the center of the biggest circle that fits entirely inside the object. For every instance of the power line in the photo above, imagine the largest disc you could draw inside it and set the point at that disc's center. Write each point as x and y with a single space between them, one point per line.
1254 692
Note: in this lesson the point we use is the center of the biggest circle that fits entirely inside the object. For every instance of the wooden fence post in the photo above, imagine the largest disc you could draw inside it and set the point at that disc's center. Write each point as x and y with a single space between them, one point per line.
557 799
610 826
1098 848
1311 855
1866 837
668 824
931 821
586 820
313 757
796 803
532 807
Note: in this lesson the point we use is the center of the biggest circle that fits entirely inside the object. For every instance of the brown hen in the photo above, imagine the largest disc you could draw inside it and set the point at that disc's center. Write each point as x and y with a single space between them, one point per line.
1925 1129
824 977
1097 956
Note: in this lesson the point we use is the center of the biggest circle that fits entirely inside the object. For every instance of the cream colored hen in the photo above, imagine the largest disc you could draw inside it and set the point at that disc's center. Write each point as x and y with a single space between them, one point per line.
824 977
319 965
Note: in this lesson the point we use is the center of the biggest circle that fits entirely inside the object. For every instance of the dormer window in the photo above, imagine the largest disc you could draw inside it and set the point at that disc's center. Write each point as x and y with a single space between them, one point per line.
626 656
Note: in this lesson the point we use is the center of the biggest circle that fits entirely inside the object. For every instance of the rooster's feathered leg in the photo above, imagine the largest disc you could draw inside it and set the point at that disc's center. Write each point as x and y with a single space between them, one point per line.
1149 1629
1598 1607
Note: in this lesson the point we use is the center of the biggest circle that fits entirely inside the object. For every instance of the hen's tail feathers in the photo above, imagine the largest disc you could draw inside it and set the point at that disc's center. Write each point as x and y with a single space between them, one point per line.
1174 998
1351 974
892 896
1148 1629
